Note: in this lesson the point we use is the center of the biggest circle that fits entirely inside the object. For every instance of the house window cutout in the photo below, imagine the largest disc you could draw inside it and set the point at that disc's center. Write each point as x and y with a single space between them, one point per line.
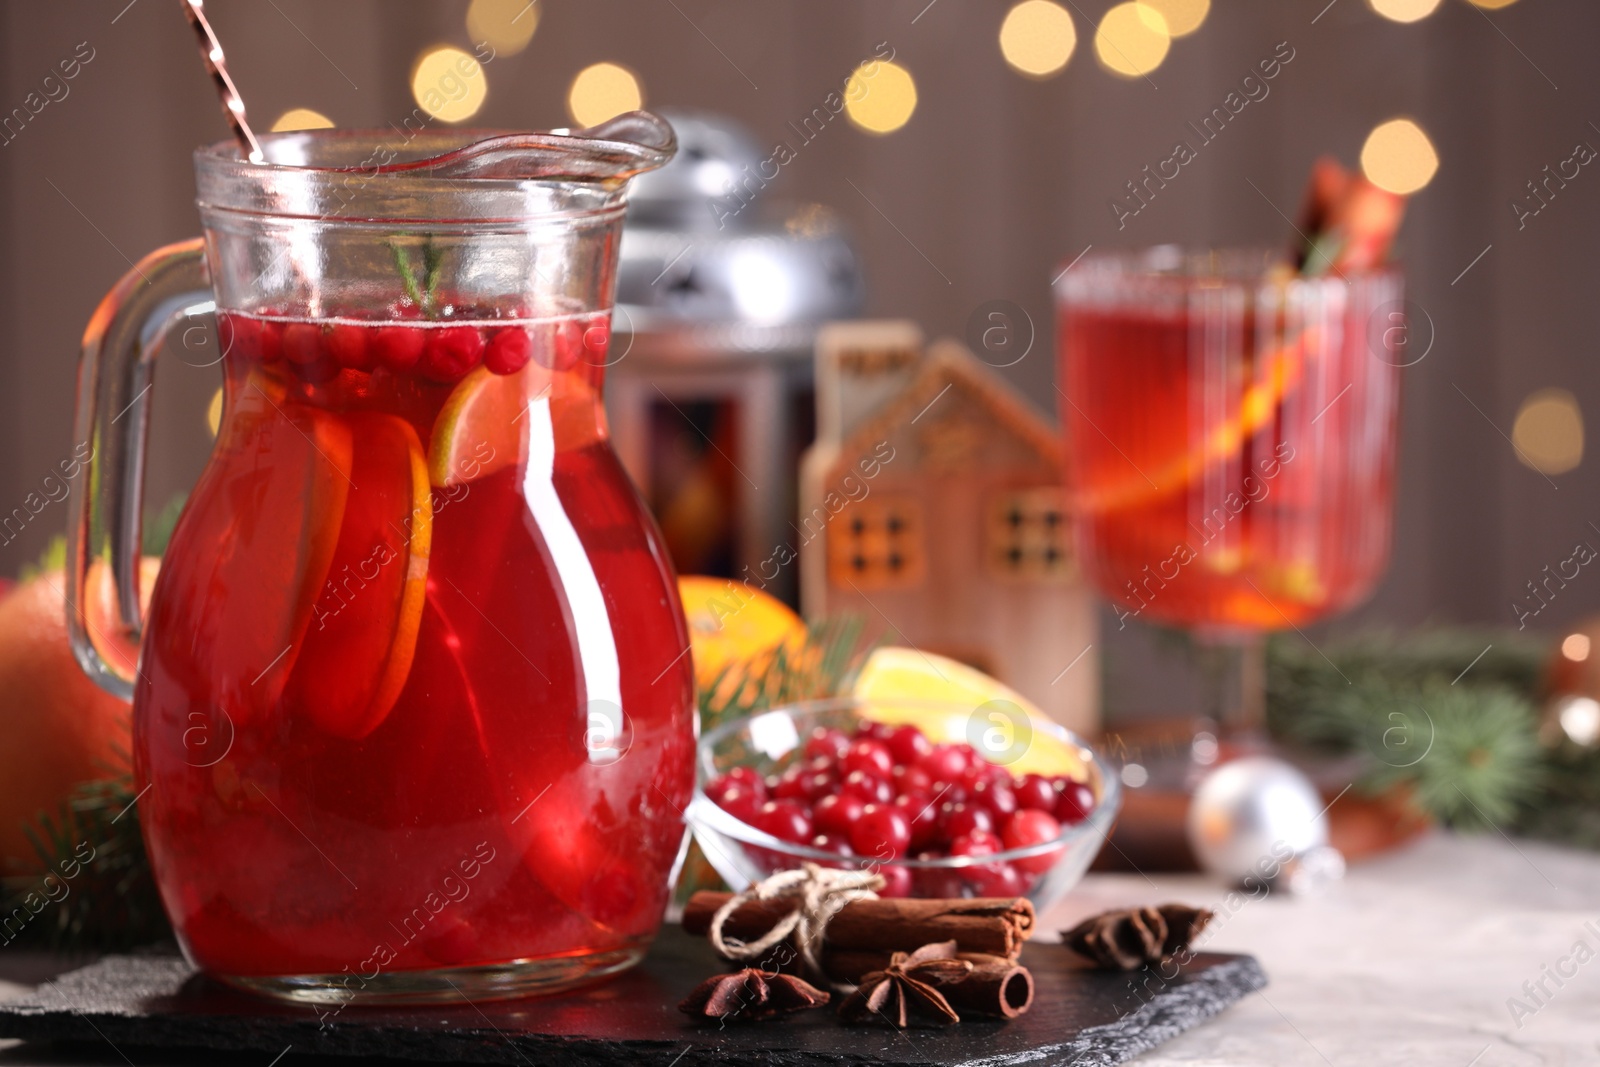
1029 537
877 544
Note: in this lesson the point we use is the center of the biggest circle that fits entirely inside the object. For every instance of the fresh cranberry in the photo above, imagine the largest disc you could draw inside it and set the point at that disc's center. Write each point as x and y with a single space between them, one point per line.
907 744
944 763
818 784
896 881
938 882
1028 828
1074 803
911 780
923 814
740 802
746 777
348 346
785 820
398 347
882 832
831 843
869 757
959 819
791 785
827 743
1036 792
870 789
509 350
837 812
451 352
995 880
977 843
949 792
870 730
302 343
999 799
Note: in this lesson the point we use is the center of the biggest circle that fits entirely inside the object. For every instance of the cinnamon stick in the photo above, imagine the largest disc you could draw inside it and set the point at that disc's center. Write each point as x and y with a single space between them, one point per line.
997 986
995 926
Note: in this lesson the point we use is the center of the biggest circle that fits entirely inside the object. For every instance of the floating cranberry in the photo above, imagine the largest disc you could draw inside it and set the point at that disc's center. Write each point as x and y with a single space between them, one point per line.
837 812
907 744
567 348
944 763
785 820
302 343
977 843
1028 828
882 832
349 347
271 343
1074 802
869 757
896 881
451 351
1035 791
826 743
240 337
398 347
999 799
960 819
509 350
870 789
596 341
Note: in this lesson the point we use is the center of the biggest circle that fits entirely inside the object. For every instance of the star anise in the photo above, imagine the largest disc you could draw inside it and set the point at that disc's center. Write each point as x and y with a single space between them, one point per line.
1127 939
751 994
905 990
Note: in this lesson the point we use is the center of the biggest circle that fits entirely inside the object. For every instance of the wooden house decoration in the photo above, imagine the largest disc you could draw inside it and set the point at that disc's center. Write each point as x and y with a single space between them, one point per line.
933 506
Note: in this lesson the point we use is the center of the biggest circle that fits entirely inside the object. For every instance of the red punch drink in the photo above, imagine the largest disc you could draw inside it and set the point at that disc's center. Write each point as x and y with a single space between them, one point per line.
405 636
1231 438
413 717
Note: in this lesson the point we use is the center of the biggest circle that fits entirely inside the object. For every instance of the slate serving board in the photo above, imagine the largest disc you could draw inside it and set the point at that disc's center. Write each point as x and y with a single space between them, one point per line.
1078 1017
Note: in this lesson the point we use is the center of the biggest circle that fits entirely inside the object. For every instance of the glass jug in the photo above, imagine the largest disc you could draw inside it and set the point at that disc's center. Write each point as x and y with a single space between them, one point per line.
413 714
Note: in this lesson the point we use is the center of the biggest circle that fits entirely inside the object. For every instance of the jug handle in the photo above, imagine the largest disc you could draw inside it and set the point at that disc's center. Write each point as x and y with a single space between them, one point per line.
115 372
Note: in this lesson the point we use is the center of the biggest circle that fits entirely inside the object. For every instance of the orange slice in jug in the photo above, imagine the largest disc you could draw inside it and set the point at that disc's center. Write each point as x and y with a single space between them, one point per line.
484 425
362 634
256 542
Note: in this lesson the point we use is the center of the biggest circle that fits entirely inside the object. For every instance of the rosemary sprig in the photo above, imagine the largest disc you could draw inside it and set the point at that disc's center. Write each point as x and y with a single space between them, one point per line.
425 293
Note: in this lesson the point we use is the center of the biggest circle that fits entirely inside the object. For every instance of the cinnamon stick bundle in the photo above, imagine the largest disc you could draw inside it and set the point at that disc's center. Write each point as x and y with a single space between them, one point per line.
994 926
997 985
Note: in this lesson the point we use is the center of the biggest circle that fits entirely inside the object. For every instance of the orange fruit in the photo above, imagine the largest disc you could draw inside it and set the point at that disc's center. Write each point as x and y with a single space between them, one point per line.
731 623
59 728
358 646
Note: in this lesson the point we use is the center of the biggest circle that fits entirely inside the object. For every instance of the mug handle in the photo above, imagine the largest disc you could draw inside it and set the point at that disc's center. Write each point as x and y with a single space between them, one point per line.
165 288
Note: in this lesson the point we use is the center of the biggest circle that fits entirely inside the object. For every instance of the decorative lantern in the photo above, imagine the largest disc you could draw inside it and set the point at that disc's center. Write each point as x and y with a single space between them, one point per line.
721 287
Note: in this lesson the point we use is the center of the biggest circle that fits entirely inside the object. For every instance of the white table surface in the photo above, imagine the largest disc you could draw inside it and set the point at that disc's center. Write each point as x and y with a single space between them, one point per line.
1409 961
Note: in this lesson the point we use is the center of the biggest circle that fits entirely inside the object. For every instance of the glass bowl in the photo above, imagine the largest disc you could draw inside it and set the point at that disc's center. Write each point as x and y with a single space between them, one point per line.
771 741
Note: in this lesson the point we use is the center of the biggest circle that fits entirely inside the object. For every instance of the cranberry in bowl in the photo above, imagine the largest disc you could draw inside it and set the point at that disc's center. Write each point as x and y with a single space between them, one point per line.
907 790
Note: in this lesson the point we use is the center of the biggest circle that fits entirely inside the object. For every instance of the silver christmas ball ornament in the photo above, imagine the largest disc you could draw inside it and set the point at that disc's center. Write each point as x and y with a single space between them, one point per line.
1259 821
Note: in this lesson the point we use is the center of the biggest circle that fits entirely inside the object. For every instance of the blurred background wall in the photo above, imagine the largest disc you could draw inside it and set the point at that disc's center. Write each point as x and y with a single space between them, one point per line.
994 184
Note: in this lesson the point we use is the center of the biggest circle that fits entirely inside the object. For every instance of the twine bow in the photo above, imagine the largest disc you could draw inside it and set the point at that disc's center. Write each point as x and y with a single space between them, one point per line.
820 894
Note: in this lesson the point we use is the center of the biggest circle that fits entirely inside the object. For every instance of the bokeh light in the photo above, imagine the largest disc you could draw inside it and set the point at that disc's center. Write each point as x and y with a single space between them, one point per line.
507 25
214 412
1184 16
1037 37
1576 647
1399 157
1492 4
603 91
1404 10
449 84
301 118
1548 432
1132 39
880 96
